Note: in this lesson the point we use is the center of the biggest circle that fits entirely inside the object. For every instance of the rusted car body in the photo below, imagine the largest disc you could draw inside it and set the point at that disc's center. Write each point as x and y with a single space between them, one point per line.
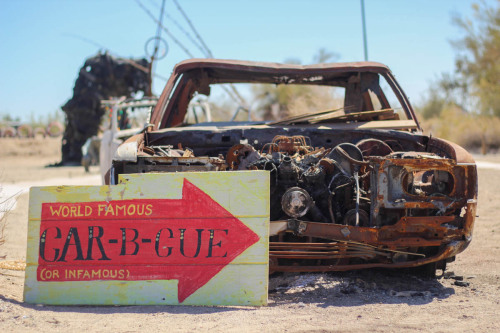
354 187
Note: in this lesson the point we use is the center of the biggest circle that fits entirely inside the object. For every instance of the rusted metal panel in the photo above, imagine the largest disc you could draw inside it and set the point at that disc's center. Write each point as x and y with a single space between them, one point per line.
178 238
409 231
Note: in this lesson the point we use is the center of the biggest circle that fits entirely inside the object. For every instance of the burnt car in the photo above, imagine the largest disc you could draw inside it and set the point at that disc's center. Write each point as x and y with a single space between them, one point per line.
353 185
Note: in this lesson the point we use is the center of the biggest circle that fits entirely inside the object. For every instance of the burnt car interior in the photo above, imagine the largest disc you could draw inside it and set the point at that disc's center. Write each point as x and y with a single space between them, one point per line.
363 98
354 186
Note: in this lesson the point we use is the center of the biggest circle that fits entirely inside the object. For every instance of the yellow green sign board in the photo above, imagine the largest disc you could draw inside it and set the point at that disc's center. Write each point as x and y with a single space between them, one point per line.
194 238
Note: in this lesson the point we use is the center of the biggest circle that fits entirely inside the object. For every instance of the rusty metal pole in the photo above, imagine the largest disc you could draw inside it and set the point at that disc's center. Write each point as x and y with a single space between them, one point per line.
365 44
149 91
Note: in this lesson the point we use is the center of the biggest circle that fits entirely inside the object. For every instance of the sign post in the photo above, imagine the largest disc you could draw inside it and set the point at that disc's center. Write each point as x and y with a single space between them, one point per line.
177 238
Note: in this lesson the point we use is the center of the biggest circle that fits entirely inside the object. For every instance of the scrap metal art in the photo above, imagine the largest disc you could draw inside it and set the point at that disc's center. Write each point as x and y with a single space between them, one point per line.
101 77
351 188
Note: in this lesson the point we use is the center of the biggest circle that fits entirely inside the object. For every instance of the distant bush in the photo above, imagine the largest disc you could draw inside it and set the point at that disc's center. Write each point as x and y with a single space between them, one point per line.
474 132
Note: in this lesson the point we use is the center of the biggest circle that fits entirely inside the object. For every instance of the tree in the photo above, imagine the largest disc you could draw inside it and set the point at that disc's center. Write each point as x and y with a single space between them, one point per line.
477 62
445 91
324 55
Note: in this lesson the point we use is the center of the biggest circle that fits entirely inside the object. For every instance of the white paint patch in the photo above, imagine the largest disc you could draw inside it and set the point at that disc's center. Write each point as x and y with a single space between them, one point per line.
488 165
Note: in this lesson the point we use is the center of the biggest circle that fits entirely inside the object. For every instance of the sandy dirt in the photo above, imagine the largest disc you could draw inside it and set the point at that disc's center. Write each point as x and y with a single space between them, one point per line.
373 300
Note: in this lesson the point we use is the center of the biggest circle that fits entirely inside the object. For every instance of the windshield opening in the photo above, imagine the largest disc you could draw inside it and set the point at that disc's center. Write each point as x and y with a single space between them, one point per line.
353 97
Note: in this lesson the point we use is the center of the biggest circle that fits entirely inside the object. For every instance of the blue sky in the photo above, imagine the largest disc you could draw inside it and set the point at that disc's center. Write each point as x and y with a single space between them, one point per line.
40 57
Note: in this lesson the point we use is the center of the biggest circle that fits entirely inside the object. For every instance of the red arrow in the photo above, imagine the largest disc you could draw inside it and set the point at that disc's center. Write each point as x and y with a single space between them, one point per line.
189 239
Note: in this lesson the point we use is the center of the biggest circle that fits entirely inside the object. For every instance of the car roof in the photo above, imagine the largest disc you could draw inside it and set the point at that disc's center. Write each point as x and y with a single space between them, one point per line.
271 67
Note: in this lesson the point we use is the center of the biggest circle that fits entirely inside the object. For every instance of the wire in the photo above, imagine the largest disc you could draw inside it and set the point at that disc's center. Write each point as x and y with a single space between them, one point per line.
176 41
194 29
208 52
129 61
233 93
181 28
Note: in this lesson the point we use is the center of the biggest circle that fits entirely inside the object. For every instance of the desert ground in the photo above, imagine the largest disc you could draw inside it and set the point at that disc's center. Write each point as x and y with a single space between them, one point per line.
465 299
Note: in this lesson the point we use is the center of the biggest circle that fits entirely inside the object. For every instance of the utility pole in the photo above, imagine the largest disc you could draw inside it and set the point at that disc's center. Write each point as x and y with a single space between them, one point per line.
157 40
365 44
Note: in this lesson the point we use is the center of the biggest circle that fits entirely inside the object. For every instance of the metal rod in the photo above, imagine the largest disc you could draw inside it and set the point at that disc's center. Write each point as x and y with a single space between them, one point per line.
356 178
365 44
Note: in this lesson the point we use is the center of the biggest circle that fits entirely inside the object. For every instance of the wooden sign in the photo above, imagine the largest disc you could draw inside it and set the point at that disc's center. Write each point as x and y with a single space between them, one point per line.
178 238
